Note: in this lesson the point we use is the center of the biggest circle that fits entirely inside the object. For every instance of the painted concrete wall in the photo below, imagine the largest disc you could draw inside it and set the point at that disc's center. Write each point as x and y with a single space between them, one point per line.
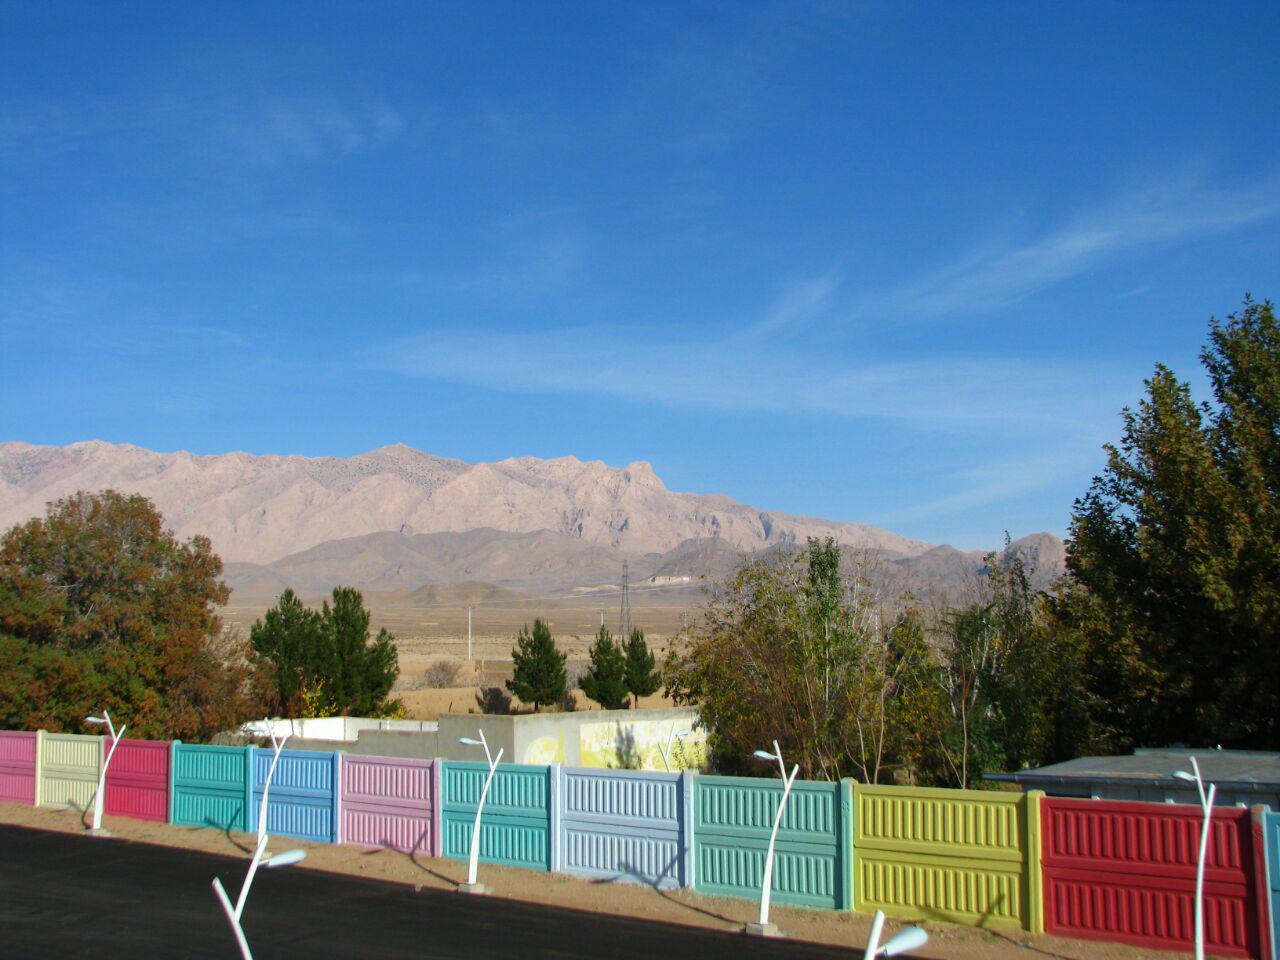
621 739
332 728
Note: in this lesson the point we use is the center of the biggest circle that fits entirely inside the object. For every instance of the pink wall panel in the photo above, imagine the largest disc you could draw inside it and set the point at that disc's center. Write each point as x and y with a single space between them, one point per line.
390 802
138 780
17 767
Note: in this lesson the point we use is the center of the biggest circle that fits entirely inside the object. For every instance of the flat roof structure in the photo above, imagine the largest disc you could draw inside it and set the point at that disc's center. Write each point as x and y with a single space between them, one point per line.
1242 776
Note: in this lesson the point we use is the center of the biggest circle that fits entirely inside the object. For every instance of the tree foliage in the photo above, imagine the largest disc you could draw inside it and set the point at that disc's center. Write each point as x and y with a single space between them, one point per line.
643 676
101 607
539 673
791 649
1176 549
605 681
322 662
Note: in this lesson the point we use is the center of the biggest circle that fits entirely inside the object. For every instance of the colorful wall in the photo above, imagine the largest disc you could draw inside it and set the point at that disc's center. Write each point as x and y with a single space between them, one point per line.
1094 869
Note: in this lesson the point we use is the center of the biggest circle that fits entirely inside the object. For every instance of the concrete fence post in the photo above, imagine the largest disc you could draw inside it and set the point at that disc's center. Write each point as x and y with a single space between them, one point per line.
555 818
39 755
1035 869
336 836
844 834
250 820
437 797
688 863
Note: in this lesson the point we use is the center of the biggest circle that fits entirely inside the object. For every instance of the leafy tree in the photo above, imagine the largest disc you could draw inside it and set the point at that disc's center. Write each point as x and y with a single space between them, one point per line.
791 649
322 663
643 677
605 681
539 667
100 606
1177 545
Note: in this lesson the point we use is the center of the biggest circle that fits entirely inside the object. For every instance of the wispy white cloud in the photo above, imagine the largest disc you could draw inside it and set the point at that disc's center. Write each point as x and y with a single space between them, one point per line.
1000 274
730 373
262 130
1004 479
308 128
798 303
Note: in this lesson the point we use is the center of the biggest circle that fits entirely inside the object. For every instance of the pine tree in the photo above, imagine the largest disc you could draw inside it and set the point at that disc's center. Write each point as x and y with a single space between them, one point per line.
322 662
605 681
1176 545
643 677
539 667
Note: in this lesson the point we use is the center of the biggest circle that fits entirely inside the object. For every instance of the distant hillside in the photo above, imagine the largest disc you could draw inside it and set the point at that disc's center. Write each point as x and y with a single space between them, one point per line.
398 520
479 565
260 509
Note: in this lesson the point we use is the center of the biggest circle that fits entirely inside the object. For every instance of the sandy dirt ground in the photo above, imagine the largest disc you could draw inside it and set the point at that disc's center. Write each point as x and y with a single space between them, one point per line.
946 941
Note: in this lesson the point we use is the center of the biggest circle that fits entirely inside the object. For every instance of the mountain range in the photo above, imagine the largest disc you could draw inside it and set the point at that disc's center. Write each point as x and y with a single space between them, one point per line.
399 519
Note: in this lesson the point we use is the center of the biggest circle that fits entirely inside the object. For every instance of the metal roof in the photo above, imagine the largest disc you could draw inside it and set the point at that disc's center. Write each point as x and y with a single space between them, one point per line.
1230 769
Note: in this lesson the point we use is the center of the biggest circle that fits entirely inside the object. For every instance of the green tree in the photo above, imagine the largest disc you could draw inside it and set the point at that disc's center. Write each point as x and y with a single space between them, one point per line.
322 663
605 681
789 648
1177 545
643 677
538 667
100 606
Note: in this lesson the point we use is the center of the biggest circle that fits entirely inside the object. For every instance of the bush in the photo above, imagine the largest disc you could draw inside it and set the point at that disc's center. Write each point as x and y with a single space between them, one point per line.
443 673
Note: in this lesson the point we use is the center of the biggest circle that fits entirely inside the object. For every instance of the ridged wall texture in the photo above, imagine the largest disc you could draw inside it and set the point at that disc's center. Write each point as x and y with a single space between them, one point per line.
964 856
1126 871
17 767
138 779
209 786
732 820
303 800
68 770
622 824
1271 828
391 803
515 828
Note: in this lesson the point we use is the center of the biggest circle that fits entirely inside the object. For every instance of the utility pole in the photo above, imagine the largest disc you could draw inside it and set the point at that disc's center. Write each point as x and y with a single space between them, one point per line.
624 615
468 631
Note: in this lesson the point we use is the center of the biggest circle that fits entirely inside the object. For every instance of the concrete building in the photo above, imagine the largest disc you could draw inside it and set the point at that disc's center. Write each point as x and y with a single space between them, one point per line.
1244 777
627 739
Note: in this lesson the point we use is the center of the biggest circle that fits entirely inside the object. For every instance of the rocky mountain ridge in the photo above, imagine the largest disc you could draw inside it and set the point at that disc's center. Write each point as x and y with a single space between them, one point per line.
259 509
400 520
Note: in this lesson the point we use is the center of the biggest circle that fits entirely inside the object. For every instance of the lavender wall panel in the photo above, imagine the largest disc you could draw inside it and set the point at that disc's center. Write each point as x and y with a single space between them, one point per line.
390 802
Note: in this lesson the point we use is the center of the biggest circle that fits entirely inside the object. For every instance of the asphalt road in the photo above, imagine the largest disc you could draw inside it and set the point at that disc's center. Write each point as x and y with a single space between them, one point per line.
63 895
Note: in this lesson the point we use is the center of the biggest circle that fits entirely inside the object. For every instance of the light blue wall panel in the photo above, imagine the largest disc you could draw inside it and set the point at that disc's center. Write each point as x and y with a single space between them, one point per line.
623 825
303 801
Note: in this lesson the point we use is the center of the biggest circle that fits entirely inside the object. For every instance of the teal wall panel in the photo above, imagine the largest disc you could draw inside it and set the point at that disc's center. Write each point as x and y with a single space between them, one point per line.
515 829
732 820
210 786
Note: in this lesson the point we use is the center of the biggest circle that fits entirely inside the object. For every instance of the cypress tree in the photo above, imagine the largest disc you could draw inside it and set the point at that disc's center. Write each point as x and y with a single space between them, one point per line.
643 677
539 676
605 681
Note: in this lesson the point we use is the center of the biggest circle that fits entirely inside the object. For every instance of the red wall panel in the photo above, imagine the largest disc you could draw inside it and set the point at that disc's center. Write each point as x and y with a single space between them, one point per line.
138 780
1126 872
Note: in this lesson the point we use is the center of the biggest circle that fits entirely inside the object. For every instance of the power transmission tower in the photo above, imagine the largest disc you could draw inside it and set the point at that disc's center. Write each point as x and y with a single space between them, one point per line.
624 615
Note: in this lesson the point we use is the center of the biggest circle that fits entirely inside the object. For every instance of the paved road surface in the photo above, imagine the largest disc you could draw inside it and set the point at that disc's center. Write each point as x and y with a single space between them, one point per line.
63 895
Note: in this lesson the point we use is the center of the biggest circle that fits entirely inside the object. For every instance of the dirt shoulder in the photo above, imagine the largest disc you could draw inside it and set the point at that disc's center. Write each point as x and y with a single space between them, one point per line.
624 899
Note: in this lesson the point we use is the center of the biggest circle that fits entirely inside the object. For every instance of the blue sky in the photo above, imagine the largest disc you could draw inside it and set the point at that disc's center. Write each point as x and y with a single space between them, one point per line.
892 263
